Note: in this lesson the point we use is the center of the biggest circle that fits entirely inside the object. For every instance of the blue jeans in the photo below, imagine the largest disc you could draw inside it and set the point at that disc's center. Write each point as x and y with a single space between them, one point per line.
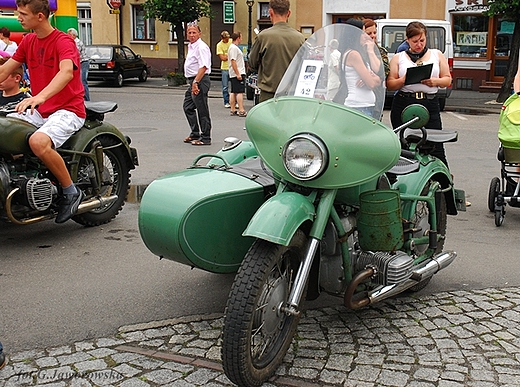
84 76
225 86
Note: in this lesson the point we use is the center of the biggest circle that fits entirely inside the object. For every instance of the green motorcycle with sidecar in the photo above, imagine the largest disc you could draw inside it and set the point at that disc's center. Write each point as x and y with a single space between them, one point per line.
322 198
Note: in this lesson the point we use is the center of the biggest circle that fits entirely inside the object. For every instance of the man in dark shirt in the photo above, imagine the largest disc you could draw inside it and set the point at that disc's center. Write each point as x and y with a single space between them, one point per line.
274 49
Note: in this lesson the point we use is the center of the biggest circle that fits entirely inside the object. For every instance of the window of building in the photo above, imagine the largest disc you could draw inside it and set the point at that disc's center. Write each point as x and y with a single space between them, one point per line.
143 29
264 11
470 34
84 23
173 34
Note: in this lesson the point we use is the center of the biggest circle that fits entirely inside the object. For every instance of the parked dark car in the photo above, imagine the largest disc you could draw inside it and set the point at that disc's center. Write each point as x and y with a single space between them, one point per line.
115 63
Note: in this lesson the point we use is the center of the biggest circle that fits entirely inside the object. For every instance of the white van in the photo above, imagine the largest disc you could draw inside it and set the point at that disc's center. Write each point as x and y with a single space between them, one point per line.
392 32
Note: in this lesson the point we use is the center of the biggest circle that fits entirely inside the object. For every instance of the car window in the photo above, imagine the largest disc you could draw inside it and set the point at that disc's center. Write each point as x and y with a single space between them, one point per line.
129 53
393 36
120 53
97 52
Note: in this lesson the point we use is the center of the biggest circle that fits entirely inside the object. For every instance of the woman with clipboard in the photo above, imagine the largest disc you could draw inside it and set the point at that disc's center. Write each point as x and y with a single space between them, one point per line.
416 74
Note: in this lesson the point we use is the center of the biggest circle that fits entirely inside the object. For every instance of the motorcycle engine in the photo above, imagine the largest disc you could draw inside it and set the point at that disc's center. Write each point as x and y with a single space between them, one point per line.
391 268
38 193
4 180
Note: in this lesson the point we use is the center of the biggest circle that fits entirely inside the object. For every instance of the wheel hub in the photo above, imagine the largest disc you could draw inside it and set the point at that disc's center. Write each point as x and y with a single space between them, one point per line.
275 296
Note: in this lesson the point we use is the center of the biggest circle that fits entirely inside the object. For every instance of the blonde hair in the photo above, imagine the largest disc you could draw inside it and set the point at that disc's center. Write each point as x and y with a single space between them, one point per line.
16 71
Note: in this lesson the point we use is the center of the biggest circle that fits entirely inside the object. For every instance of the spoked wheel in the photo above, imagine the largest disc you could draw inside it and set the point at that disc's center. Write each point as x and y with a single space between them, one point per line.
256 332
115 181
421 221
143 76
494 190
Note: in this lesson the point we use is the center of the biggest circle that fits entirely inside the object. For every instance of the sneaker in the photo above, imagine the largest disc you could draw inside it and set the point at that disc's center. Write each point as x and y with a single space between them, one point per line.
227 105
3 360
69 206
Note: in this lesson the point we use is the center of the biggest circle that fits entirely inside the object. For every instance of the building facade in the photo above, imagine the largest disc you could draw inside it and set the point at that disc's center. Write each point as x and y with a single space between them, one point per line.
481 44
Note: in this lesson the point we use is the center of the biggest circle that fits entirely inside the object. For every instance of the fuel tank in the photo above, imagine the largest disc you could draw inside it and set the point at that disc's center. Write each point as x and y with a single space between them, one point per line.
197 216
13 135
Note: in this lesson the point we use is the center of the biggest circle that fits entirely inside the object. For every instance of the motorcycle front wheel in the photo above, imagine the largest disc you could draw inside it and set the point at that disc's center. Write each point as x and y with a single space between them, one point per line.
256 332
115 177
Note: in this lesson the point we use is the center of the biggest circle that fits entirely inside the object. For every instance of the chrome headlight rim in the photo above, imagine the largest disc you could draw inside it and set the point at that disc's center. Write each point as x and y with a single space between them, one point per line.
320 148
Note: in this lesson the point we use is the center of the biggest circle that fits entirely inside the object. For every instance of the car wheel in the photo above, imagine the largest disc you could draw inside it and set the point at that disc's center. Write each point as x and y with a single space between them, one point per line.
143 76
119 79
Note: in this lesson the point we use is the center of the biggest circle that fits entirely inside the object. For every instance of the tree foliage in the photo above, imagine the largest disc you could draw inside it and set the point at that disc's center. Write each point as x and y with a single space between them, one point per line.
177 13
509 10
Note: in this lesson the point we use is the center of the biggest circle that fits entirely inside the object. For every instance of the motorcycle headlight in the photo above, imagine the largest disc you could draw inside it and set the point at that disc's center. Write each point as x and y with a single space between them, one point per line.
305 157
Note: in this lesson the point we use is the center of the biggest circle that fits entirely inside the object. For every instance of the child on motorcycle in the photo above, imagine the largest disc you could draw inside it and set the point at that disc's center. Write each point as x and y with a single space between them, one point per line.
10 87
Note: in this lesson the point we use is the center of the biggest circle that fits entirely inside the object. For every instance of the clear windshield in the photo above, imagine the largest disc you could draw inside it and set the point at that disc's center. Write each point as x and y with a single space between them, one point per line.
338 63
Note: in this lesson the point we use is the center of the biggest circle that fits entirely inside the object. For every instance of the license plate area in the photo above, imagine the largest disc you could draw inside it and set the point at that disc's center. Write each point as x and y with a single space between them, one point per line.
93 67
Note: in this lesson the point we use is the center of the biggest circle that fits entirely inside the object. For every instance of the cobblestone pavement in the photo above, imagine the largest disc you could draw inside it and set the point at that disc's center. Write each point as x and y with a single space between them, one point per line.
462 338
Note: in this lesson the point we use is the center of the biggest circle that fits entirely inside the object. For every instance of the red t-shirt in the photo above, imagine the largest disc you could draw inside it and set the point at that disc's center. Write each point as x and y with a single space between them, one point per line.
43 57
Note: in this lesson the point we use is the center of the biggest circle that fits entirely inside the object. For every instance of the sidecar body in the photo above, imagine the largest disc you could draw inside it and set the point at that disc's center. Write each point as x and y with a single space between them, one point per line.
197 216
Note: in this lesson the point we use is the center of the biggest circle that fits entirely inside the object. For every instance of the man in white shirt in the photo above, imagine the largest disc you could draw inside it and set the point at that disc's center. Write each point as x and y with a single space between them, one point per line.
196 70
237 75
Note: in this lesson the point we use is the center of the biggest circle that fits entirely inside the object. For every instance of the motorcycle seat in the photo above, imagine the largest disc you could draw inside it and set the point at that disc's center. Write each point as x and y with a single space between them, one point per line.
100 107
404 166
432 135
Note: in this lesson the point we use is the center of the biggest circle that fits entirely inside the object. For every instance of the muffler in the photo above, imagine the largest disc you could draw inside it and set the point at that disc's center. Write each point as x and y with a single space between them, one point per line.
85 206
433 266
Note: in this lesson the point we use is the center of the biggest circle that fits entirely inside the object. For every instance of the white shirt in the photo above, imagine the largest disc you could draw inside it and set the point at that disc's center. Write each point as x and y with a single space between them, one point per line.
199 55
405 62
234 53
10 48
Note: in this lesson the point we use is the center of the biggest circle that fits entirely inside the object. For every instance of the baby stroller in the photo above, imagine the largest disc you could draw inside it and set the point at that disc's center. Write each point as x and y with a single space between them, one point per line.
506 190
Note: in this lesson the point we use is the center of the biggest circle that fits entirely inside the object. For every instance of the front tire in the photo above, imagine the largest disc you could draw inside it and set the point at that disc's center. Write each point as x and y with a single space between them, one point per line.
115 181
256 332
143 76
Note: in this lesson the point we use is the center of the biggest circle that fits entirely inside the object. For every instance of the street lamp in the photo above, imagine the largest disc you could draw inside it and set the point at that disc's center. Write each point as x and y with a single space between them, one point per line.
249 4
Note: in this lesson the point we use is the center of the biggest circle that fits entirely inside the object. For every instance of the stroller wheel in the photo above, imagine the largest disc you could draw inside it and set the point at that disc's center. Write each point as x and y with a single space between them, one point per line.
499 217
494 189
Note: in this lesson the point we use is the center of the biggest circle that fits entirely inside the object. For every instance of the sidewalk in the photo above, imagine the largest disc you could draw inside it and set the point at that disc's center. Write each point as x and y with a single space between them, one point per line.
464 101
452 339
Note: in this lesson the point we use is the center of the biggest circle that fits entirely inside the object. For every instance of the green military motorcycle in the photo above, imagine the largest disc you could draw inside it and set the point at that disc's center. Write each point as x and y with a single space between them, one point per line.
98 157
321 199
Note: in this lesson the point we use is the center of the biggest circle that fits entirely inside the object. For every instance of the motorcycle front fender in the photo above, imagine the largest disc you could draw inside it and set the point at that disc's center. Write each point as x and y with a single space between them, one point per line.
279 217
413 184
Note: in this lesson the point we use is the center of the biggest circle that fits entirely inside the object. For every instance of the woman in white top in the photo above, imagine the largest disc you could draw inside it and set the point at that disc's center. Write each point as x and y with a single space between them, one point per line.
7 45
425 92
360 68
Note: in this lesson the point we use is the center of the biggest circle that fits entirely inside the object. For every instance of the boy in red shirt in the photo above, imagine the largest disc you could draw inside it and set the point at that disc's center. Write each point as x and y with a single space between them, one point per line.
57 106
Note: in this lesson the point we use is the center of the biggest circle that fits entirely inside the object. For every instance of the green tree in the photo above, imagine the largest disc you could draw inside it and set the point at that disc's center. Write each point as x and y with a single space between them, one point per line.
177 13
509 10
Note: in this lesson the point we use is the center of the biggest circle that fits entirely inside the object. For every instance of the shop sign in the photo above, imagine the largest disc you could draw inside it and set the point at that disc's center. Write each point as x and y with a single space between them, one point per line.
468 5
229 12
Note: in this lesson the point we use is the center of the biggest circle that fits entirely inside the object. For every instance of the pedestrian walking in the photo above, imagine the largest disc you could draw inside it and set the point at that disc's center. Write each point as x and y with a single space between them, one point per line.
237 74
197 68
222 52
84 60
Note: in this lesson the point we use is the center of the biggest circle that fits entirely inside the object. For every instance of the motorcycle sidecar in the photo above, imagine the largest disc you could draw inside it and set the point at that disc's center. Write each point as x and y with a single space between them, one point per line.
197 216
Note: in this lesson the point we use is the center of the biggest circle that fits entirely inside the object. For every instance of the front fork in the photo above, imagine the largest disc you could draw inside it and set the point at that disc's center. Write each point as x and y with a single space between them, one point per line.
323 212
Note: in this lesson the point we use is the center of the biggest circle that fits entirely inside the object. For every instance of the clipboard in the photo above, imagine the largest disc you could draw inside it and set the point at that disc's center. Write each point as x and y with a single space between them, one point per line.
417 74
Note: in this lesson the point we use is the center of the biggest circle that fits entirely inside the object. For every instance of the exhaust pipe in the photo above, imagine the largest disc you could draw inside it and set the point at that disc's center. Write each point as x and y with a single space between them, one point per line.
87 206
96 203
436 264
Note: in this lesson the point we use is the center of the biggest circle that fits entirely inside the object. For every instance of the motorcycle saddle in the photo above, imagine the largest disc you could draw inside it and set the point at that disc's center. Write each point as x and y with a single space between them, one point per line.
432 135
97 110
